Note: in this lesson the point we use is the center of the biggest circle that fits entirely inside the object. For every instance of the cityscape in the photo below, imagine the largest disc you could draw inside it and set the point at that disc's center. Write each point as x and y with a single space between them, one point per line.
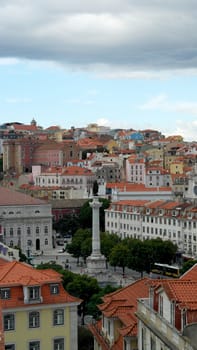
98 175
113 206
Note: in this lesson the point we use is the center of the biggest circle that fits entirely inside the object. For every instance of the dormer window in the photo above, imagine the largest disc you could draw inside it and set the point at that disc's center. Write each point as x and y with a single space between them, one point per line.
5 293
34 293
54 288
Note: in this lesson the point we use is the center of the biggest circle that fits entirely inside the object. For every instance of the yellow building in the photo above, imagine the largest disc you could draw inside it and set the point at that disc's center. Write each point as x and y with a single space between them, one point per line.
38 314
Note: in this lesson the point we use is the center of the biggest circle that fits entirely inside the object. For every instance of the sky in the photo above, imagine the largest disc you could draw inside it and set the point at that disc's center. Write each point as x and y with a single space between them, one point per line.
118 63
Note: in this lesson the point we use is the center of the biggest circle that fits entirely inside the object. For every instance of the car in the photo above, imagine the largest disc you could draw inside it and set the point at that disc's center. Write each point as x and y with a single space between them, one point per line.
61 250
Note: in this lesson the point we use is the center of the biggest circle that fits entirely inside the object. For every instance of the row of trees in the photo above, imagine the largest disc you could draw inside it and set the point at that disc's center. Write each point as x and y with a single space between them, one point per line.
129 252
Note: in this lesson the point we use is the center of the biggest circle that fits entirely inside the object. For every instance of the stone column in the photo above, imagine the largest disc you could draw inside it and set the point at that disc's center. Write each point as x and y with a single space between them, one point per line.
96 263
95 204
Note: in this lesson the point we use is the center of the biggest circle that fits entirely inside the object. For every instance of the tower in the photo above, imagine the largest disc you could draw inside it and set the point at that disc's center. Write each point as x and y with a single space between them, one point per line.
96 262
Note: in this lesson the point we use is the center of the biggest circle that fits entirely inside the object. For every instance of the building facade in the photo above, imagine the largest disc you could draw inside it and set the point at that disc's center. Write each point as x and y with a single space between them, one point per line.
168 220
37 313
26 222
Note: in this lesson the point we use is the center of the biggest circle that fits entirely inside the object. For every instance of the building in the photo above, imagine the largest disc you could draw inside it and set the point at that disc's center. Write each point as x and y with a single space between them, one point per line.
143 219
37 313
130 191
117 328
25 222
167 319
65 178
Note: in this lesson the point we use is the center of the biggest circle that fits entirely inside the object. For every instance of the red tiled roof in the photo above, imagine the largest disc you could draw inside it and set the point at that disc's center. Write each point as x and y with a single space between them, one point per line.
191 274
123 303
17 274
130 187
184 292
11 197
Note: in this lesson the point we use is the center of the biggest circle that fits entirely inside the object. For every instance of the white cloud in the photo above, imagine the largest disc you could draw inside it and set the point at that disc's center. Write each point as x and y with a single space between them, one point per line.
162 103
187 129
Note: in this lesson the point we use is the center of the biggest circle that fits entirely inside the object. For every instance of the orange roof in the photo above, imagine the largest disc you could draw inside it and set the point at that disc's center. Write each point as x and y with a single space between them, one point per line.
134 187
184 292
123 304
76 170
17 274
191 274
11 197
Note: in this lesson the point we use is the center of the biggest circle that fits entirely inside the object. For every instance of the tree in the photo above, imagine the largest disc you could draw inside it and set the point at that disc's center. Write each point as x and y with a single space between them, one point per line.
138 257
85 215
75 247
119 256
108 241
83 287
187 265
68 224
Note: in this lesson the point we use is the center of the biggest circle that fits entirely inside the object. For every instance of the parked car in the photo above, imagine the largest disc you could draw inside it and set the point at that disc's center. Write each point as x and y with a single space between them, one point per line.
61 250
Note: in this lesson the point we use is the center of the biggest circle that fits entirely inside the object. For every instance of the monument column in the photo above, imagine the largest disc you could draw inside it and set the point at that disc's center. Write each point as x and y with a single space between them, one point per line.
96 263
95 205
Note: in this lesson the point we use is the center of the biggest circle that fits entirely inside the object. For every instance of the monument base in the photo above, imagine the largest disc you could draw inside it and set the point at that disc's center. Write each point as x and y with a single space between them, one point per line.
96 265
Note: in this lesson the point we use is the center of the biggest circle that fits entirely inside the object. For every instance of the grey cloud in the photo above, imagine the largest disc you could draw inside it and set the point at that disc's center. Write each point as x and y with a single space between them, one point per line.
130 34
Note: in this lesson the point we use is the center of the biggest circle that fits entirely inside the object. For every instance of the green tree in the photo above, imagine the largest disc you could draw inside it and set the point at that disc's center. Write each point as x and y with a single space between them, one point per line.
75 247
108 241
85 215
68 224
138 257
119 256
187 265
86 248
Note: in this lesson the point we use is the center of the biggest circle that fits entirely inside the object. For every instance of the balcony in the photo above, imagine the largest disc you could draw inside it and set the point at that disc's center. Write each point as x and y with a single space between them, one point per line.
161 327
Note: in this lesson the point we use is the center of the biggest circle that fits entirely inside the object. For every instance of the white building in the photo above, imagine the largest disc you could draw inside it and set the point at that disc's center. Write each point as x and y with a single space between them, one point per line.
26 222
168 220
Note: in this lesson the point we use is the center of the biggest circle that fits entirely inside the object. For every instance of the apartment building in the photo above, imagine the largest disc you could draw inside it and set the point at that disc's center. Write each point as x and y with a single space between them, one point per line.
167 319
25 221
37 313
135 169
64 178
117 328
168 220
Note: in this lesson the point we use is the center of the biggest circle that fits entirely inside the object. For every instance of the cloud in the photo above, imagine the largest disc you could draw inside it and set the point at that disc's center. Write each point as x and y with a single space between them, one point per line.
162 103
187 129
121 38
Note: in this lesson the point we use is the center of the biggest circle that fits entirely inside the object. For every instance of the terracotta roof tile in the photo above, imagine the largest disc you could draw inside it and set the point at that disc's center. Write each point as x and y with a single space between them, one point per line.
11 197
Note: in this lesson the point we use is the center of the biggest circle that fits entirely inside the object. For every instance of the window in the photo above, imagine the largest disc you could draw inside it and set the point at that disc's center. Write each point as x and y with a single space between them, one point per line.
34 319
11 231
161 305
34 293
37 230
34 345
9 322
58 344
10 347
29 242
46 242
58 317
28 230
5 293
54 288
18 231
